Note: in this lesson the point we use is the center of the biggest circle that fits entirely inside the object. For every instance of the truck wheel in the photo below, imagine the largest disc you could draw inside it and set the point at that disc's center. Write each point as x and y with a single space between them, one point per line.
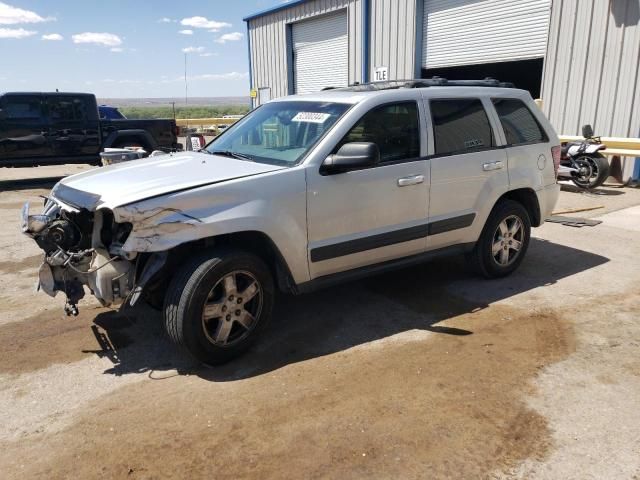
504 240
218 303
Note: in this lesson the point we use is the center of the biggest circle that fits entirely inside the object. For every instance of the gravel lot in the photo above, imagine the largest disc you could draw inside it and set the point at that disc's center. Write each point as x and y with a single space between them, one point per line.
429 372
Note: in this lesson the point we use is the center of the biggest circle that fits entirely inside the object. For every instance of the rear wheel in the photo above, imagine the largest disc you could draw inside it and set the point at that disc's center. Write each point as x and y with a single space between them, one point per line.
593 171
218 303
504 240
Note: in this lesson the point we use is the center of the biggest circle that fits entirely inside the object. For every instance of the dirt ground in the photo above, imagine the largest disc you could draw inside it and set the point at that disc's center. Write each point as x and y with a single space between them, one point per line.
429 372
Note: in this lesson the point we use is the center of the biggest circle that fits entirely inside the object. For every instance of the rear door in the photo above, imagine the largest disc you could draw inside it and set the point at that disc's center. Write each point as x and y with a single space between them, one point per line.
23 127
468 169
73 125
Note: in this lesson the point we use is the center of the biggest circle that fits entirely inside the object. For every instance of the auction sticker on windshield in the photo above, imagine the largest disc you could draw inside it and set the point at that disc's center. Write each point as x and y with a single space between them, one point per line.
311 117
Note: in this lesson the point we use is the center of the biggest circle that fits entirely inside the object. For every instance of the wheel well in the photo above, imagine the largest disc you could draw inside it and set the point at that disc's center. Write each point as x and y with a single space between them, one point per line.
255 242
260 244
529 200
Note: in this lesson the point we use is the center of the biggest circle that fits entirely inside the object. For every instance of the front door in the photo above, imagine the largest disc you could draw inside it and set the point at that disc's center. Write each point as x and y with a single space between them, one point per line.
23 128
368 216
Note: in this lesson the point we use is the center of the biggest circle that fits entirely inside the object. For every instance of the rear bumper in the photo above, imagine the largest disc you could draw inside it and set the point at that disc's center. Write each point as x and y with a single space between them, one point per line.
547 199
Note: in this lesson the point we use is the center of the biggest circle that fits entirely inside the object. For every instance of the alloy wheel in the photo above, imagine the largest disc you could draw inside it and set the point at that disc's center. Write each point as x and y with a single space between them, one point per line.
587 171
508 240
232 309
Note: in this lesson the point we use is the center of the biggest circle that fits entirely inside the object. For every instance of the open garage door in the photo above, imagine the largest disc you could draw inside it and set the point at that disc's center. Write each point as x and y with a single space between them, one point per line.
471 32
321 53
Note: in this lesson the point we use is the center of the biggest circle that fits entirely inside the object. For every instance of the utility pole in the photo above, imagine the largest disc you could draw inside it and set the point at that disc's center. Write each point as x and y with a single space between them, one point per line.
185 80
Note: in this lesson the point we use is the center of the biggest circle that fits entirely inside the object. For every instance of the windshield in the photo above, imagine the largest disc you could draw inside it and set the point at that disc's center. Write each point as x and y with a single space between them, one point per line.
279 133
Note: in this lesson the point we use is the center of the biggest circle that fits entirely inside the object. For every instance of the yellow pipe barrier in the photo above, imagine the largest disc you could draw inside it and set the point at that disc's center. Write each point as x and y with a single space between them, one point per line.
610 142
616 146
184 122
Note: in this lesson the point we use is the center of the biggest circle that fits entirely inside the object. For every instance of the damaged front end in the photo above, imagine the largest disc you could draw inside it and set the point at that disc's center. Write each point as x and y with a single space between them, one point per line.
82 246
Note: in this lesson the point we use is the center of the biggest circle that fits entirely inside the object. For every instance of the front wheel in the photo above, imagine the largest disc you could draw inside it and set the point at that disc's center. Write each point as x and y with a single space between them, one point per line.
218 303
504 240
593 170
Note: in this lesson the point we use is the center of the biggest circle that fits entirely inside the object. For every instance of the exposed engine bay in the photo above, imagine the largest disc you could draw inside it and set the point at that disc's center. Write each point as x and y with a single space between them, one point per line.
81 248
120 230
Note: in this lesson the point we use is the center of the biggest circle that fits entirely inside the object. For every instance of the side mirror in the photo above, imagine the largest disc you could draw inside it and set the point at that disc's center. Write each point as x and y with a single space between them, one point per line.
587 131
352 156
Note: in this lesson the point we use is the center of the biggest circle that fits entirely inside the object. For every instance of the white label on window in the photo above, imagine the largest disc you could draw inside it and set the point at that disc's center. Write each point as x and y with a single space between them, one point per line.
474 142
311 117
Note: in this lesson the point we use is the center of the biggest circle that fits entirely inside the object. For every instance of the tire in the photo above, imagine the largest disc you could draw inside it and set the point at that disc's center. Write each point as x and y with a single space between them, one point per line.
596 169
232 323
484 258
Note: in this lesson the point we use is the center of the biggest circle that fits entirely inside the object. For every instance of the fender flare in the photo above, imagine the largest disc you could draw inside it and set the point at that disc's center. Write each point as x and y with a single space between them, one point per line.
142 135
577 149
595 148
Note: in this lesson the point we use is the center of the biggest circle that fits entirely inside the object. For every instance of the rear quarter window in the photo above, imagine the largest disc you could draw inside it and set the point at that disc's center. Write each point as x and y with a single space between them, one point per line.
460 126
519 125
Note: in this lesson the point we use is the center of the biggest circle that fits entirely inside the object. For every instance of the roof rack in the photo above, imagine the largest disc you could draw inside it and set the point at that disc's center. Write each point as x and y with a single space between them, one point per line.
426 82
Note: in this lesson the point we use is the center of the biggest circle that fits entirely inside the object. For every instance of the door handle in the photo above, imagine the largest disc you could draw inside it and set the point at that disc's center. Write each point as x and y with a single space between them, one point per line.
412 180
487 167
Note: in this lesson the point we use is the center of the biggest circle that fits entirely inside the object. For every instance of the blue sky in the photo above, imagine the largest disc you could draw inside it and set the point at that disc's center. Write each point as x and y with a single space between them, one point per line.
121 48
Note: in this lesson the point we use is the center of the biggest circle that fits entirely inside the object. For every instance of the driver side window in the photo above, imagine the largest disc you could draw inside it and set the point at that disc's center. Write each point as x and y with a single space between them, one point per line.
395 128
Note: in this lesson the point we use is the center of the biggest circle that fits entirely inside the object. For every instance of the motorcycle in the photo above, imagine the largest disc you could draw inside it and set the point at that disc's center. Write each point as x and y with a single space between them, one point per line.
581 163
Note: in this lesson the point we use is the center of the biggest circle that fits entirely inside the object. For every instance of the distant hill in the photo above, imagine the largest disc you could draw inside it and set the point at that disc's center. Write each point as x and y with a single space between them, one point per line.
179 102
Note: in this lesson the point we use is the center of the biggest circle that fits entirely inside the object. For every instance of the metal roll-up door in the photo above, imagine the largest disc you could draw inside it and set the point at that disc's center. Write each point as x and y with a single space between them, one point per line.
321 53
468 32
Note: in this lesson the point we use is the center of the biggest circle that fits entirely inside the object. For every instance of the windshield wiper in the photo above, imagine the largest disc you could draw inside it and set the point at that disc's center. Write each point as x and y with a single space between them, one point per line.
229 153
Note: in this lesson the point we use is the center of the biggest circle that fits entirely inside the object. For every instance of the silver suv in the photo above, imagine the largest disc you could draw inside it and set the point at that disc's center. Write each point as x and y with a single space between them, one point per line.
303 192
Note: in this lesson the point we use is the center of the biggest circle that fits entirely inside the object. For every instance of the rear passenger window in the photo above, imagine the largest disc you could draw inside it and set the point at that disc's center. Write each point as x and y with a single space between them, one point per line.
460 126
66 109
394 128
519 124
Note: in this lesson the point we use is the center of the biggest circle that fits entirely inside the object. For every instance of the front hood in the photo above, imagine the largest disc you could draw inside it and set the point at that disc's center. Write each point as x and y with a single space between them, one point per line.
129 182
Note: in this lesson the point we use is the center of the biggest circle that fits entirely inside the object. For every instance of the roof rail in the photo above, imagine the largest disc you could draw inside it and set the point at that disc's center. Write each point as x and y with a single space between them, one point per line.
427 82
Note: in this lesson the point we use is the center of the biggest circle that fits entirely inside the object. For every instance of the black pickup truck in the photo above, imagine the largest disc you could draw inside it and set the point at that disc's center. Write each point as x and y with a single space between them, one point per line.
57 128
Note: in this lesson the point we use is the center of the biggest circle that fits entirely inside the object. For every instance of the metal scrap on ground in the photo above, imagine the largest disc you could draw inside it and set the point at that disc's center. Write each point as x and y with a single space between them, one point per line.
573 221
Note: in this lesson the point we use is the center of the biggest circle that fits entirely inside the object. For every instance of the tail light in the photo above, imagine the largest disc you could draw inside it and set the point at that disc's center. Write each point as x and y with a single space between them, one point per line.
176 130
556 153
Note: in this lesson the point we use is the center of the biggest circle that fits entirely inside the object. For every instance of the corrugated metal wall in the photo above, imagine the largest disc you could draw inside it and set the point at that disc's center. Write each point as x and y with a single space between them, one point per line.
268 37
393 36
591 72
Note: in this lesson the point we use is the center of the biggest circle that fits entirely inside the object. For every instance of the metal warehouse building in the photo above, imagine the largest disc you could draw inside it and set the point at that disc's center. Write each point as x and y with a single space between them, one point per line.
580 56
